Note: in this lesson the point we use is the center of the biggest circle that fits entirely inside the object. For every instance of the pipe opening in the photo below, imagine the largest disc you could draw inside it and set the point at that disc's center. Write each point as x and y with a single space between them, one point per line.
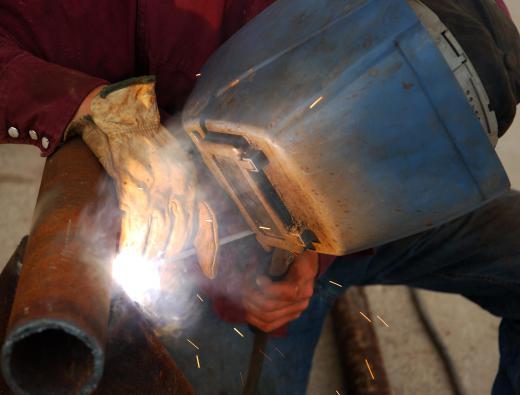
51 362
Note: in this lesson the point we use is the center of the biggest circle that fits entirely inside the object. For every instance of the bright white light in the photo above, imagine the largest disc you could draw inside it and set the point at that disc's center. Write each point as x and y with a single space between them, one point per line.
137 275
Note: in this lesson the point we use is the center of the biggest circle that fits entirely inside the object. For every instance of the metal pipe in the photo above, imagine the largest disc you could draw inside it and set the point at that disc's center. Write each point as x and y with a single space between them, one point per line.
136 360
55 339
363 366
8 281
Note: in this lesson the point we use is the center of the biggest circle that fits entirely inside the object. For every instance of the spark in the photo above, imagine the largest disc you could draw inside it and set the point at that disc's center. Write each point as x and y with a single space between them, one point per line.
208 220
369 369
264 227
336 284
198 75
198 361
266 356
200 298
366 318
383 321
193 344
315 102
240 333
279 352
337 392
234 83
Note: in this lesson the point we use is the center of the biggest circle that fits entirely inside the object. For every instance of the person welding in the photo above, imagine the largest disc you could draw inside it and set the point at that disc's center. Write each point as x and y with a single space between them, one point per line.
72 68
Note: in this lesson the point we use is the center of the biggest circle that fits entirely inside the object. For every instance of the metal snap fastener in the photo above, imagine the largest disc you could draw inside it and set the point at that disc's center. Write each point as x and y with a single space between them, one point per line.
33 135
13 132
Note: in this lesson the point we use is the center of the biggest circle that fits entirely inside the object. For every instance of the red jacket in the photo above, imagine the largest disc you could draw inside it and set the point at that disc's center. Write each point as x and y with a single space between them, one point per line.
53 53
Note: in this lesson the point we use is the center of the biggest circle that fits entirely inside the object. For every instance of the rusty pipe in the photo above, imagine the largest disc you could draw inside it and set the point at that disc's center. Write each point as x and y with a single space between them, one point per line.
56 335
358 345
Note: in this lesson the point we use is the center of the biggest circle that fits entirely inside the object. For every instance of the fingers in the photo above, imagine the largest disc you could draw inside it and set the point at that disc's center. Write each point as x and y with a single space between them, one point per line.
135 223
270 305
182 218
264 303
287 290
134 232
158 234
276 314
297 285
304 268
206 240
283 291
154 181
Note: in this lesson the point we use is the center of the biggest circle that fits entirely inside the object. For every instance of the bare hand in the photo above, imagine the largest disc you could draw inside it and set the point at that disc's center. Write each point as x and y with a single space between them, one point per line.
270 305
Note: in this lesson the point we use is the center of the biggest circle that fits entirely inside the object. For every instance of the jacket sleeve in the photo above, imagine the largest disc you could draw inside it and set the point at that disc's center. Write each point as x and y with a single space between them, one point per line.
37 99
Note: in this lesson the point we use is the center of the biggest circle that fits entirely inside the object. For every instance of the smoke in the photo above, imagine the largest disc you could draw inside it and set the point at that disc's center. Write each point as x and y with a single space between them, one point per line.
175 306
146 267
169 290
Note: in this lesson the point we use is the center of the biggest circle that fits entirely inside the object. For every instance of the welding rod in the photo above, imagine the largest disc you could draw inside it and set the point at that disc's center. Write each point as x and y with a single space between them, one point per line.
55 339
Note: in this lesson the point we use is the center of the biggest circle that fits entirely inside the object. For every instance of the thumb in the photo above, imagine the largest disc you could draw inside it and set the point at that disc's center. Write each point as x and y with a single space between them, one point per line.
206 240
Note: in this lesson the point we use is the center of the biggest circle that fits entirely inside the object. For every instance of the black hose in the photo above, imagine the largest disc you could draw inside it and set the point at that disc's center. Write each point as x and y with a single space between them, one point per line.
440 347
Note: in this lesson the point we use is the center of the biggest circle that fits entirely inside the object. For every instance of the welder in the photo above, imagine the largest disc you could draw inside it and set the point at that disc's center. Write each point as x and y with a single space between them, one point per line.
67 69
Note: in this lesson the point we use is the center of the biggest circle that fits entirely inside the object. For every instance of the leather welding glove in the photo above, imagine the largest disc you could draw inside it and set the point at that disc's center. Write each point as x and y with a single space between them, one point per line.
153 174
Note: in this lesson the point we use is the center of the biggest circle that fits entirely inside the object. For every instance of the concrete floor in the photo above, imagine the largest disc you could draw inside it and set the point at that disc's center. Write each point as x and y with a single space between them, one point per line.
411 363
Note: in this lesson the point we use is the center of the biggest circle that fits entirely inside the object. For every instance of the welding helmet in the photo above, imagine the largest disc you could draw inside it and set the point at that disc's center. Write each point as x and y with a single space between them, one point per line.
342 125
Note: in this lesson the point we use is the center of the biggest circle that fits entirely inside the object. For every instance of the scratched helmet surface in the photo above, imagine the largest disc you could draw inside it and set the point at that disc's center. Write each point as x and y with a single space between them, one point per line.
338 125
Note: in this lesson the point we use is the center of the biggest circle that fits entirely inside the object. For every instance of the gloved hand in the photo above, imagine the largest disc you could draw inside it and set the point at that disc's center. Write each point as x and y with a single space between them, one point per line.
154 177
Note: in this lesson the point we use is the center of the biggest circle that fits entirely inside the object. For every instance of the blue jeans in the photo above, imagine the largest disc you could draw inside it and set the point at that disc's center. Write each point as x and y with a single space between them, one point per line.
477 256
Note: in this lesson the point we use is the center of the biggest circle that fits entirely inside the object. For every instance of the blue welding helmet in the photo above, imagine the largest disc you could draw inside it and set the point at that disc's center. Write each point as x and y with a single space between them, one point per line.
343 125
